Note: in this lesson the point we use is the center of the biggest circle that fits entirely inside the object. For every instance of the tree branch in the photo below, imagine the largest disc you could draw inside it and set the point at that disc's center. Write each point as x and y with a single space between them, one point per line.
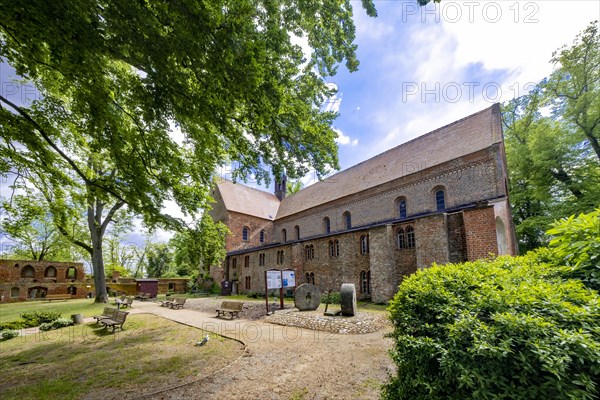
109 216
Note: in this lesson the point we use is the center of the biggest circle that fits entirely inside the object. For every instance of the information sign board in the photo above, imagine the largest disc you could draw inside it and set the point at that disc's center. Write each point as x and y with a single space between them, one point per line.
273 279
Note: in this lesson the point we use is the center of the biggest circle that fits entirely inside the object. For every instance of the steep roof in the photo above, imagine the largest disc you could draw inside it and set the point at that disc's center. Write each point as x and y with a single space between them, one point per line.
246 200
465 136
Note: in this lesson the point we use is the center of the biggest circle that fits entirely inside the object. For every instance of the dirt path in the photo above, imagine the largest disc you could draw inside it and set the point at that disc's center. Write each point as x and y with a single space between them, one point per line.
286 362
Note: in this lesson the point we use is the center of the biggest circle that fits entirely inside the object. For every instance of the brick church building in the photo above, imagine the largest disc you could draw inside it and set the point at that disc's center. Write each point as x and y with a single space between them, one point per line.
442 197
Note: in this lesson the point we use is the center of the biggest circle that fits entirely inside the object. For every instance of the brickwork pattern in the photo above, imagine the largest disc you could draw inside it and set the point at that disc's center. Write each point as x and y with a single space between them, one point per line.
480 232
17 283
431 236
464 181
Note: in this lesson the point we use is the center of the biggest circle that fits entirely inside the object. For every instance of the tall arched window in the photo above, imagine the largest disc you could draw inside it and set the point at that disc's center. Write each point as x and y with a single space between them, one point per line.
297 232
14 292
27 272
326 225
410 237
245 232
347 219
364 244
402 208
365 282
334 248
261 259
401 239
284 235
262 236
71 273
309 251
280 257
440 200
50 272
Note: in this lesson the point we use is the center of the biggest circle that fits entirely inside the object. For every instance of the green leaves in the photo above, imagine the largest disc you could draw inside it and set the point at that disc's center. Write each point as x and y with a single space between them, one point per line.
503 328
554 161
576 241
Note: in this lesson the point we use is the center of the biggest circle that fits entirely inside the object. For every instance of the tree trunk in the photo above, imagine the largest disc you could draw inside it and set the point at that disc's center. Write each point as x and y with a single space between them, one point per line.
98 268
94 212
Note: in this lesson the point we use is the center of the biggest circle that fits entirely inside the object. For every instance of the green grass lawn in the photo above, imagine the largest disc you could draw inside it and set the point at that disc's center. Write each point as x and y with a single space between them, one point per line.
150 354
86 307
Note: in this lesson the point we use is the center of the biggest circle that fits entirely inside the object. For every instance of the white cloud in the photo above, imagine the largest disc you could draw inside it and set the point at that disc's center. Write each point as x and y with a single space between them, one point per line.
343 139
455 67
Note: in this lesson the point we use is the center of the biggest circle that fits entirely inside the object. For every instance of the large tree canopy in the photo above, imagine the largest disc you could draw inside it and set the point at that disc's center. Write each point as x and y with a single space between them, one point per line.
554 160
116 79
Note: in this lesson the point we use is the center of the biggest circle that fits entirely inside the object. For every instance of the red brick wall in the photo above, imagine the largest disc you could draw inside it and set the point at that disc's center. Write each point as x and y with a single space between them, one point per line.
11 271
480 232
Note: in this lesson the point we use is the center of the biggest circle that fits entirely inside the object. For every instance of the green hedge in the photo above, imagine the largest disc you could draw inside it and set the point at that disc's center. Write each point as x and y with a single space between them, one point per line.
504 329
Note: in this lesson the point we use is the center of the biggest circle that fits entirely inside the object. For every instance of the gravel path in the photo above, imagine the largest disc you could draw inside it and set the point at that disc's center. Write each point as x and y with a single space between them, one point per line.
283 362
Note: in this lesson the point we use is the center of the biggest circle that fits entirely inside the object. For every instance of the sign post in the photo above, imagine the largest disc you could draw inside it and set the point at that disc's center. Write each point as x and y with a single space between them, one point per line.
278 279
272 281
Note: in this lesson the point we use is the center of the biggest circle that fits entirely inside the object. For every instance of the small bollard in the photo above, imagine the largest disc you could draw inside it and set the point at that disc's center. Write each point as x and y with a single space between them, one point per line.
77 319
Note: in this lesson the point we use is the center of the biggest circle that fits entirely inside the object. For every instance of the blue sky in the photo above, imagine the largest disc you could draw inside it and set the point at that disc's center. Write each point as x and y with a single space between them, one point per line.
422 68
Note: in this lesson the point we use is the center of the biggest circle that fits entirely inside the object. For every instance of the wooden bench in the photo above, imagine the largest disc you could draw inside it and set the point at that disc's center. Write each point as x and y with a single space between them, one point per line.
231 307
143 296
178 303
108 312
54 297
126 302
117 320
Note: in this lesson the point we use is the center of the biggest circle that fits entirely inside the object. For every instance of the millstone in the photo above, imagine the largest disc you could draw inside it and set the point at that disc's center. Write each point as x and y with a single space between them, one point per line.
307 297
348 295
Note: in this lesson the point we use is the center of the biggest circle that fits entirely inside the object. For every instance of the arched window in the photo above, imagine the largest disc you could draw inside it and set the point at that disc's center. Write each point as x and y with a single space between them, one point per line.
334 248
284 235
326 225
71 273
401 239
261 259
402 208
280 257
310 277
297 232
410 237
50 272
262 236
171 286
37 292
246 261
364 244
309 251
347 219
245 233
365 282
14 292
440 200
248 282
72 290
27 272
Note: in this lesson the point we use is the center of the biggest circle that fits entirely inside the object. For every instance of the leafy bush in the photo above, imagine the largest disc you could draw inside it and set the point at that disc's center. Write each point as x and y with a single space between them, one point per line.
332 298
12 325
35 318
507 328
577 243
46 326
215 288
56 324
8 334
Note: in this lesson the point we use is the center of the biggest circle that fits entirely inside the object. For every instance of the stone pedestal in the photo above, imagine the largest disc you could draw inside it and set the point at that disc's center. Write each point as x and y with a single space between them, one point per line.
348 295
